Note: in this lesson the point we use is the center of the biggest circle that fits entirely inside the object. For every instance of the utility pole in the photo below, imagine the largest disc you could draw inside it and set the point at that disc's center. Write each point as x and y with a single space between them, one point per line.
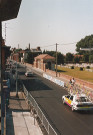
56 59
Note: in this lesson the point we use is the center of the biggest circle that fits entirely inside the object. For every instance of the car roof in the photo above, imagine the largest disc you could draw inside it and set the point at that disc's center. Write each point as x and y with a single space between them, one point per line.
77 95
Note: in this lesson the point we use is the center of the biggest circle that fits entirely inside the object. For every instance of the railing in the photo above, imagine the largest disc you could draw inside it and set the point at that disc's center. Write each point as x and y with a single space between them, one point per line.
50 130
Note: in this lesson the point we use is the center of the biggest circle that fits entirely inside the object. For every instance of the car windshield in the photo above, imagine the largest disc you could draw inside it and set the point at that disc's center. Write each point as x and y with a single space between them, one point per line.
82 99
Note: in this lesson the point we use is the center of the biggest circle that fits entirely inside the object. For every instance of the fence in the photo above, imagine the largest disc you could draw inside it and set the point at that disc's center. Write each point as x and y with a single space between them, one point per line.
50 130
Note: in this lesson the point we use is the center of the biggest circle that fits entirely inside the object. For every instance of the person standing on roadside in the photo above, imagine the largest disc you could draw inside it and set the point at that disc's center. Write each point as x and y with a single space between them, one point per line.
73 81
70 81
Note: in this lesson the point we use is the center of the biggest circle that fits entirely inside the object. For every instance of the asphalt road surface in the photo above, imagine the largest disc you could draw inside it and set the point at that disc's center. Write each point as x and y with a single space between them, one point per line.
49 97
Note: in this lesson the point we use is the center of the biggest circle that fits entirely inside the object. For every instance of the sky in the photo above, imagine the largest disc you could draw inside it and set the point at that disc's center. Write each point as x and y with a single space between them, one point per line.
47 22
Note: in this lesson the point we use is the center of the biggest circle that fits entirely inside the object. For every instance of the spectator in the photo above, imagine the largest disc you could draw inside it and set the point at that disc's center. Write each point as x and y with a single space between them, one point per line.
70 82
73 81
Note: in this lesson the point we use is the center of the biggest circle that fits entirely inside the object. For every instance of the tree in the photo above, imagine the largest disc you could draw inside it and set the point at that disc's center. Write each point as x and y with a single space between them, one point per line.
86 57
76 59
60 58
69 57
44 52
29 58
91 59
87 42
17 50
51 53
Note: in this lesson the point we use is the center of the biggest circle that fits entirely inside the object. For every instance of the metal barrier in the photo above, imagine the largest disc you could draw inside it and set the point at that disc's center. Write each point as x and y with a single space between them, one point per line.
50 130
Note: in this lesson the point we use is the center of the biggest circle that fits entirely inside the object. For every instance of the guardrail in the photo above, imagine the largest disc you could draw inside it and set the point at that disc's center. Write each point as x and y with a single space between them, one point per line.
50 130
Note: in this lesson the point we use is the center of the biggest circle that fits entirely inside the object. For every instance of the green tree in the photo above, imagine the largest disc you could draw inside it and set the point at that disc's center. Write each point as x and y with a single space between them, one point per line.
29 58
76 59
69 57
87 42
17 50
91 59
44 52
51 53
86 57
60 58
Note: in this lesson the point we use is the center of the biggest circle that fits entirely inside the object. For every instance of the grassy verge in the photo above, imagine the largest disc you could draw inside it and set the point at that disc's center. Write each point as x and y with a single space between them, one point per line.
84 75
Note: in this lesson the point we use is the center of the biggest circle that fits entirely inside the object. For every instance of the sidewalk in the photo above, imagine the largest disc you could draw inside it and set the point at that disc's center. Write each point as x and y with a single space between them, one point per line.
19 120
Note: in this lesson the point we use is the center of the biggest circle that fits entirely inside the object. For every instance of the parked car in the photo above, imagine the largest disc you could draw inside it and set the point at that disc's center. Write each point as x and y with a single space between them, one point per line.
78 102
28 73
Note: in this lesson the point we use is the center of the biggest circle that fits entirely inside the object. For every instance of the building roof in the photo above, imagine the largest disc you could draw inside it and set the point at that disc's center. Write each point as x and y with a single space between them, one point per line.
44 57
9 9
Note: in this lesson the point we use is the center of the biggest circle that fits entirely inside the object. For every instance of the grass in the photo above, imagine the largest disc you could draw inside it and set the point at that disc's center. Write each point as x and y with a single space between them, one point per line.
84 75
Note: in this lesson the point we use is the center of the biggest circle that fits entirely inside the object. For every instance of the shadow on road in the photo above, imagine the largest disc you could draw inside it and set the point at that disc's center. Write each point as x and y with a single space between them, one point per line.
35 85
86 112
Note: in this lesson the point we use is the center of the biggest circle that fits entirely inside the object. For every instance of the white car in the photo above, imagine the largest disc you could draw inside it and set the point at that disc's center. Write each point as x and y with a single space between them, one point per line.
28 73
78 102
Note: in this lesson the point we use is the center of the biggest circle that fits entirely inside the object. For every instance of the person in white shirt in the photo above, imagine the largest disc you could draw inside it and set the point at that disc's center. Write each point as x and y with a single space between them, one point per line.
73 81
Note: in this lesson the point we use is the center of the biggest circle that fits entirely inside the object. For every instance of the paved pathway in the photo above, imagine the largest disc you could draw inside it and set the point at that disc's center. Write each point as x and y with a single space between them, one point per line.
19 120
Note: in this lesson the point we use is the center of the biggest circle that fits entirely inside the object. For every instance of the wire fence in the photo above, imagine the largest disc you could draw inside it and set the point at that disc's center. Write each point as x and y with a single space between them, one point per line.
32 102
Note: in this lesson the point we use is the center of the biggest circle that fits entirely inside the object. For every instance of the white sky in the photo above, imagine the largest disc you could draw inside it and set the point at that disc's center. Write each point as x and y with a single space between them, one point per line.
47 22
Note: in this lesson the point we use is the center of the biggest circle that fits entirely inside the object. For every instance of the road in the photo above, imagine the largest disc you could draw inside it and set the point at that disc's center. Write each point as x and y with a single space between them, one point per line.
49 97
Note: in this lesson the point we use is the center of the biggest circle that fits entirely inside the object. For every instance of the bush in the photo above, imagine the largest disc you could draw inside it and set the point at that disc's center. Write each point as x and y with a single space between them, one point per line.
88 67
72 67
81 68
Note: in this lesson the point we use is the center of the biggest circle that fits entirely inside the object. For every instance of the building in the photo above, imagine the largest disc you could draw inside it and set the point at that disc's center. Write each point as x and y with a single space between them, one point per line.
36 50
5 54
33 51
44 61
8 10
